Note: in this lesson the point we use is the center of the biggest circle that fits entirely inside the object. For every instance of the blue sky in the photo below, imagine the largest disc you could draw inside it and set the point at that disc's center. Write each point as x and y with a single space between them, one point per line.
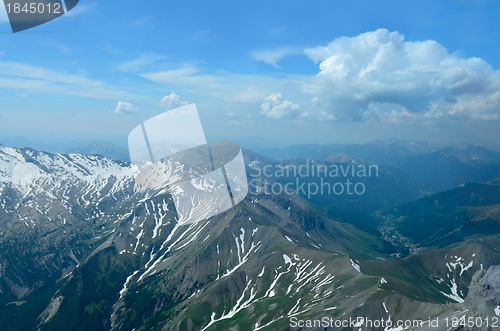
260 73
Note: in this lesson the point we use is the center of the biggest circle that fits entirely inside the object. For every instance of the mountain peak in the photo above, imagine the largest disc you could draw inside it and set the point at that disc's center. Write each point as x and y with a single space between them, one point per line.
464 145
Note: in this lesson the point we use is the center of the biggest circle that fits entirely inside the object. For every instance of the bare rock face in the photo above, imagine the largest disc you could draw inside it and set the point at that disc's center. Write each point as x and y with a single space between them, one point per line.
483 299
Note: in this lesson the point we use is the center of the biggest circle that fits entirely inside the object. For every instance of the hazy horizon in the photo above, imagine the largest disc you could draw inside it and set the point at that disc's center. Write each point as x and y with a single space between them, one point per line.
322 74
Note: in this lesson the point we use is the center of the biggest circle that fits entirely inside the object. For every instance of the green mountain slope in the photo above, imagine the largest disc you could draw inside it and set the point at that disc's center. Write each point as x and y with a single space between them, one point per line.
445 218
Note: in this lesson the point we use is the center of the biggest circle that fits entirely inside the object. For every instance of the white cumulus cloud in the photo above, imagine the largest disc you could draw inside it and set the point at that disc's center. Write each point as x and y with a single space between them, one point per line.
277 108
124 107
172 101
408 80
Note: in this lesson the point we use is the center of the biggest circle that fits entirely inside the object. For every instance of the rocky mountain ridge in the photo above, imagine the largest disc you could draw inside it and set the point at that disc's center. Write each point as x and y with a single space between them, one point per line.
83 247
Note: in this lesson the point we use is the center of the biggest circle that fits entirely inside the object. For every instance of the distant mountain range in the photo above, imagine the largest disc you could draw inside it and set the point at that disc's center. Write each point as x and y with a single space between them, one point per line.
381 151
94 147
83 248
440 167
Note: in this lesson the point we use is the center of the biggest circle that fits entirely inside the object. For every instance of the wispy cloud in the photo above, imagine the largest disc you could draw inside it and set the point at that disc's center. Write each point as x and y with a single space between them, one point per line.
273 56
21 76
187 76
225 86
140 63
2 53
62 48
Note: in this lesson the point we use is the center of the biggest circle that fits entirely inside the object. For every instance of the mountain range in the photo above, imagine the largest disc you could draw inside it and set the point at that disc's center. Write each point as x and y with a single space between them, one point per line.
84 248
441 167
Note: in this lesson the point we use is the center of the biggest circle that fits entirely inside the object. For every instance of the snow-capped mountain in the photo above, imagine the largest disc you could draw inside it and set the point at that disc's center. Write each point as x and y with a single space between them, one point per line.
47 201
24 168
81 247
